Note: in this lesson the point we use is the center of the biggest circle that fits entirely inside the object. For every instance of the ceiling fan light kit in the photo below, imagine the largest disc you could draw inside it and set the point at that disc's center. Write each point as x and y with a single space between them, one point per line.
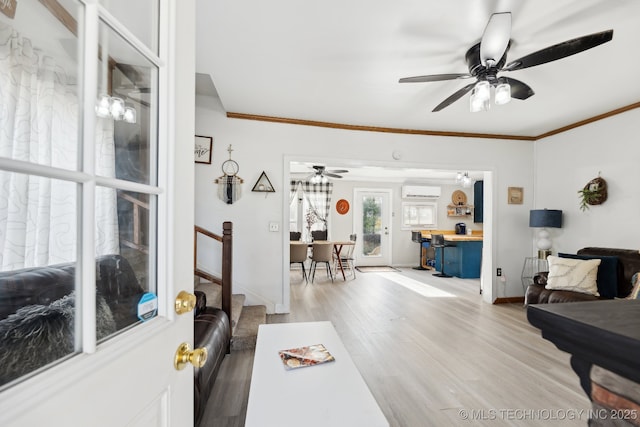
503 93
318 179
480 97
487 58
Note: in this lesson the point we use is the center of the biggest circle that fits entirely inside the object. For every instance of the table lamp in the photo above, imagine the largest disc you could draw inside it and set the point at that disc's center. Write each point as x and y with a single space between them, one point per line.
544 218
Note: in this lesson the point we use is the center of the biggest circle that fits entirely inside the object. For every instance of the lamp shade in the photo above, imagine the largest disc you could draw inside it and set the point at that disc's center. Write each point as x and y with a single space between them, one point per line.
545 218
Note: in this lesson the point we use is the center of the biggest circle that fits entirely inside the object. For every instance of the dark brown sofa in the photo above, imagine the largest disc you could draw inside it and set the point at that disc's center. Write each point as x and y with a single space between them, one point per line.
628 265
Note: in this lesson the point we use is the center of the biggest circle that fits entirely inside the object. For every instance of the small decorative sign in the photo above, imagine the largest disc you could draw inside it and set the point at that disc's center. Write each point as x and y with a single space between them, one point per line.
515 195
147 306
8 7
203 147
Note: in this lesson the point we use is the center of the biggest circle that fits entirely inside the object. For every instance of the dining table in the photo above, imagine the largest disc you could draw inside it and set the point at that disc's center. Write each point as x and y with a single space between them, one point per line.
338 245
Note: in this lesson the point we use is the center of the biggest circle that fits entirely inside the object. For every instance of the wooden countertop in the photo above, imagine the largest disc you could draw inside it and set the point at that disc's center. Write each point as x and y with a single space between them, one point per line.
452 237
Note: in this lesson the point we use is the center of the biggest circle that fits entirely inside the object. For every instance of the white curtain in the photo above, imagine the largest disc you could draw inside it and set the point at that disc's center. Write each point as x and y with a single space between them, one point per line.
319 198
39 124
315 206
293 190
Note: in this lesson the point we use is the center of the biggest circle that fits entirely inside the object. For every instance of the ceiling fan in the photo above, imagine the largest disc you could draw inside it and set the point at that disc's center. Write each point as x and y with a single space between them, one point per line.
321 174
488 57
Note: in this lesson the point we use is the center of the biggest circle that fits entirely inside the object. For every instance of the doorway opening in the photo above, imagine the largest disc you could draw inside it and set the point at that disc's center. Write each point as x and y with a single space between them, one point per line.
383 175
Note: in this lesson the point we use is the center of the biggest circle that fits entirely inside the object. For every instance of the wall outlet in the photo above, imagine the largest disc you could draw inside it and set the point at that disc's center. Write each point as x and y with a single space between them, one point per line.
274 226
498 272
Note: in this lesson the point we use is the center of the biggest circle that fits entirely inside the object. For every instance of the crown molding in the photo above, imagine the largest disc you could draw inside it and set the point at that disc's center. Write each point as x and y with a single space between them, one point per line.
590 120
332 125
343 126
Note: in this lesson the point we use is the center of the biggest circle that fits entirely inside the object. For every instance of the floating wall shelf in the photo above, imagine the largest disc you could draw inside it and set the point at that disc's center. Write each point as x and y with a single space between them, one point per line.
263 185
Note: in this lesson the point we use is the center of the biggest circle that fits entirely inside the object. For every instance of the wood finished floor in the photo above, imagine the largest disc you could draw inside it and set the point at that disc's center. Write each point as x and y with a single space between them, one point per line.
426 359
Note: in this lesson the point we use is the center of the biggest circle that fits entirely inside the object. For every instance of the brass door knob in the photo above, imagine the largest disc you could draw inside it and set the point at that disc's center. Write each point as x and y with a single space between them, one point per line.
185 302
184 355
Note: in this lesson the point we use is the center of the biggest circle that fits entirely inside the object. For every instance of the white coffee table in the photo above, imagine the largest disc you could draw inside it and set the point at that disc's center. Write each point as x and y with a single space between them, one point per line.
330 394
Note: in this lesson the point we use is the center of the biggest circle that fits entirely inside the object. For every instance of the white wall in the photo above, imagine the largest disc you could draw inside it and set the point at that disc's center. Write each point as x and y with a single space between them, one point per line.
566 162
259 263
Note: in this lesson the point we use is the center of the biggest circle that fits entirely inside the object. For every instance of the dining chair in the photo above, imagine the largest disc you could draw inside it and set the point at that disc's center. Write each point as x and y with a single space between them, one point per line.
321 252
294 235
298 255
346 256
319 235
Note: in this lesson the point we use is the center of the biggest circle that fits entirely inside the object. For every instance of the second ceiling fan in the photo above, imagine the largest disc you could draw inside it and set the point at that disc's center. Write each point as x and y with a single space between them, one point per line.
488 57
321 174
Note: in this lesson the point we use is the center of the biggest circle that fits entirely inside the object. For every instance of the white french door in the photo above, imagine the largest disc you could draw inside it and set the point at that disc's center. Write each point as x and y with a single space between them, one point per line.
372 222
139 55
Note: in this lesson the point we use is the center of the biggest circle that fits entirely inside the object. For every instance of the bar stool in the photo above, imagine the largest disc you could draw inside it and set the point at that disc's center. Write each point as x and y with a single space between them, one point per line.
437 241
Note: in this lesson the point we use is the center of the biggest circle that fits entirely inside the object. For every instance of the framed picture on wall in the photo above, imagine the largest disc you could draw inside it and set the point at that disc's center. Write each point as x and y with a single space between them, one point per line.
515 195
203 148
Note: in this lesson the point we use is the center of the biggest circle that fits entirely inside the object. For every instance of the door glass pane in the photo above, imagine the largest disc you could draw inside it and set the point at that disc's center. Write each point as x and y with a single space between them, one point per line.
126 107
38 225
371 225
125 258
39 112
139 16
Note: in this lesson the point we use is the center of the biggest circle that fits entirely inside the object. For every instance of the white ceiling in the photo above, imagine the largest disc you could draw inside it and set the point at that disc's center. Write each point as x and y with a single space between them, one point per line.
339 61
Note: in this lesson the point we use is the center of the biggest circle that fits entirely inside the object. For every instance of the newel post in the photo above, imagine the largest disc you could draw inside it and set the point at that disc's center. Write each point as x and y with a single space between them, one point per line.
227 258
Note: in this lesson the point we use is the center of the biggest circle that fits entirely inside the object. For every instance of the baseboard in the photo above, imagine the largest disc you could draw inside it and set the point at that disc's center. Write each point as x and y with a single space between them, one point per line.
281 309
509 300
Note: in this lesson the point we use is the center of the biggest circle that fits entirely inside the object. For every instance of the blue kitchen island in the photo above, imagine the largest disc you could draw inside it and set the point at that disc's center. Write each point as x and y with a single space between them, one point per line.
462 255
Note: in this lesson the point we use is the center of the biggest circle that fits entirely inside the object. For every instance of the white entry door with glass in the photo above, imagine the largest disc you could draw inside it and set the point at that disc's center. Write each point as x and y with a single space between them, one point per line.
372 222
90 246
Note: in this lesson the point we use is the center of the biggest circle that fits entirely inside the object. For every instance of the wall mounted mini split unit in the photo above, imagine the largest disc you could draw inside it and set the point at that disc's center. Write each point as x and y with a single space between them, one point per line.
420 192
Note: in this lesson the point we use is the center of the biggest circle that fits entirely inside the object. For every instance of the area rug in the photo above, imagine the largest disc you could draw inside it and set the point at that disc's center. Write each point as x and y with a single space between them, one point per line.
376 269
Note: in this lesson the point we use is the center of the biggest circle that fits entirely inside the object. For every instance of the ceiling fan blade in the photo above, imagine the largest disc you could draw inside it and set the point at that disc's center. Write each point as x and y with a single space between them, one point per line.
453 98
495 38
338 171
560 50
332 175
519 90
434 78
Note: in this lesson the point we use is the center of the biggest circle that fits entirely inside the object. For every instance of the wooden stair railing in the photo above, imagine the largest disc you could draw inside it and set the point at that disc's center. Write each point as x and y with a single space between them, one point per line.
225 279
139 210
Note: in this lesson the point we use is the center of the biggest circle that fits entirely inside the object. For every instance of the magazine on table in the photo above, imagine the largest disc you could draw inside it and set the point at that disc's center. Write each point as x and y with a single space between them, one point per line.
301 357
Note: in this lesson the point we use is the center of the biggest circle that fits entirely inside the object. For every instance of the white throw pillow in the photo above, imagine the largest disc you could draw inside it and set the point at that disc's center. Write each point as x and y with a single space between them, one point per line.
576 275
